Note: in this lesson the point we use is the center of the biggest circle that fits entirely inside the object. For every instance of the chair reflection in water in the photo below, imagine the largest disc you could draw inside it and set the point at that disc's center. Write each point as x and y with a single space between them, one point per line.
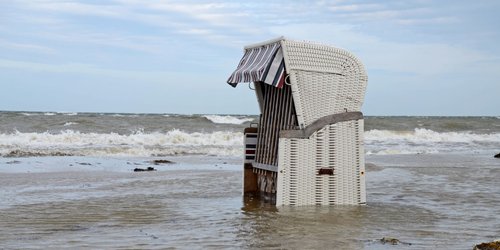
308 146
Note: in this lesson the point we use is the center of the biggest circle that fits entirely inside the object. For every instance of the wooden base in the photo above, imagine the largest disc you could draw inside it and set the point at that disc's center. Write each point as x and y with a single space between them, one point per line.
249 179
260 184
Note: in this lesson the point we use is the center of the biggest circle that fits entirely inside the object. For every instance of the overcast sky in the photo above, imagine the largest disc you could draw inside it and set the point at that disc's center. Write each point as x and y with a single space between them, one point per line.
134 56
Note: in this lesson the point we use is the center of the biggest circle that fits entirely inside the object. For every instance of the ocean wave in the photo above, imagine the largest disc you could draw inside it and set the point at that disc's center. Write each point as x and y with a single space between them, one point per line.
224 143
427 135
28 114
123 115
70 123
34 153
48 113
393 151
71 142
426 141
227 119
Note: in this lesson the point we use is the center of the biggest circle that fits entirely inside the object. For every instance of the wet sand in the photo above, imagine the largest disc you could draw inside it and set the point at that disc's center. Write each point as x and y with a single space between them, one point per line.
428 201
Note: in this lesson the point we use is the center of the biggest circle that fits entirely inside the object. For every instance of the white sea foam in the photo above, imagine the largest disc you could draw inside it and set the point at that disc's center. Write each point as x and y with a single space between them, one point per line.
427 135
70 123
71 142
425 141
125 115
411 151
227 119
49 113
177 142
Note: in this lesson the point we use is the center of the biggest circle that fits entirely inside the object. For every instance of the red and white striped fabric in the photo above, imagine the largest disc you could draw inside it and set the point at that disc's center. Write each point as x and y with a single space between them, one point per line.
261 64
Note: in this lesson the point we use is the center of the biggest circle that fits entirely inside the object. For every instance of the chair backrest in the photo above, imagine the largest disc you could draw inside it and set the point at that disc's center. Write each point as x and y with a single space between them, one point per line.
325 80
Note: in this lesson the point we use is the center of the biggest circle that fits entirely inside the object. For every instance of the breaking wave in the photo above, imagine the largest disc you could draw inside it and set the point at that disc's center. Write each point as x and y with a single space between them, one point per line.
28 114
71 142
224 143
427 135
70 123
227 119
426 141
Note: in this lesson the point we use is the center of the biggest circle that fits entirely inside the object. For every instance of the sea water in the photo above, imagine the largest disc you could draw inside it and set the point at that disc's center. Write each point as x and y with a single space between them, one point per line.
67 181
100 134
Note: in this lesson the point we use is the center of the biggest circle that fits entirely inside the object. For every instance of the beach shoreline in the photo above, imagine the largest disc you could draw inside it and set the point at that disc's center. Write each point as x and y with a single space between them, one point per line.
425 200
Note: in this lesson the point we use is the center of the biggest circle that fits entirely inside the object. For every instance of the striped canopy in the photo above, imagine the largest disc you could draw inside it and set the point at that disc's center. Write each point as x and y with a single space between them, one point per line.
261 64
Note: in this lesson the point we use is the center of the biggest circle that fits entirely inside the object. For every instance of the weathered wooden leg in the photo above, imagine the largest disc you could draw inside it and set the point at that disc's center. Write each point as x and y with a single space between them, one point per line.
249 179
266 185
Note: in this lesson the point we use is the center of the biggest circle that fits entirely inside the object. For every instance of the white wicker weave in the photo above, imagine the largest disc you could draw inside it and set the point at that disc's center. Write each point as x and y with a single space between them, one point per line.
337 146
325 80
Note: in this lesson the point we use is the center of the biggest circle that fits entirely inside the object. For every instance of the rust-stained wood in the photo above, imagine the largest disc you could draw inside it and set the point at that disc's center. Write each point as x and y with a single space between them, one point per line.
249 179
250 130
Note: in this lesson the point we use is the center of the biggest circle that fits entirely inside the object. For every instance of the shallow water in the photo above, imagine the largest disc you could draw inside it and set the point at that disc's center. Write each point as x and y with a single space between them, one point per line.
428 201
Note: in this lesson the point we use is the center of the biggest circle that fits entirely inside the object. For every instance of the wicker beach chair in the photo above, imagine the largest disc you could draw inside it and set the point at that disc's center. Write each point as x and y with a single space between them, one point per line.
308 146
